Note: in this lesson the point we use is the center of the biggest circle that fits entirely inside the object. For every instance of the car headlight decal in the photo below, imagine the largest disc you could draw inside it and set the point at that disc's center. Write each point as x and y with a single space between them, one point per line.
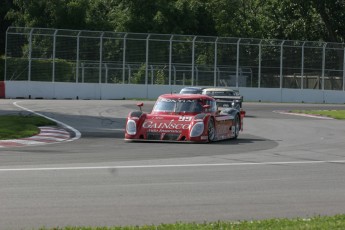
197 129
131 127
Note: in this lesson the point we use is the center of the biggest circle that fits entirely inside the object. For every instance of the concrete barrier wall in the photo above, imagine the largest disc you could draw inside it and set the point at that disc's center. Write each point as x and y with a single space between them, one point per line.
48 90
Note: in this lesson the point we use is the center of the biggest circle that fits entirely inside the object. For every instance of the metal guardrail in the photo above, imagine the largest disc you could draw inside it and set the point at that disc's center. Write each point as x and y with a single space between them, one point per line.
58 55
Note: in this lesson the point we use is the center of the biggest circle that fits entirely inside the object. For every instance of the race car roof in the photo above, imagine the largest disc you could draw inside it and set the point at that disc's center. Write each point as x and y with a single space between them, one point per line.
219 89
186 96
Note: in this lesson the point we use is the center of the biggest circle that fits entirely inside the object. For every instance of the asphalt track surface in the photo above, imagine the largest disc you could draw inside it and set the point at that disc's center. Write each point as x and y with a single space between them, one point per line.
281 166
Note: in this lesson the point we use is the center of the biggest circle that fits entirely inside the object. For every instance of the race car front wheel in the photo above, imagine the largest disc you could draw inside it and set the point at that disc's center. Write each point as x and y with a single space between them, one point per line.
236 126
211 131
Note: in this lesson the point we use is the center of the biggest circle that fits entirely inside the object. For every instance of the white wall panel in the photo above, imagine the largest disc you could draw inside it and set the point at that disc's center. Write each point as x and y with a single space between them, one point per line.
49 90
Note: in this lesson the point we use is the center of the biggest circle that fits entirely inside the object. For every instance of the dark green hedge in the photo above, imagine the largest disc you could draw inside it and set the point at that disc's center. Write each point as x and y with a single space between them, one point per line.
41 70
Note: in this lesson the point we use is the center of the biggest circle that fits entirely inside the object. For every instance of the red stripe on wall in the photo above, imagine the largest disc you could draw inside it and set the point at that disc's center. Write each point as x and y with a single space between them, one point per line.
2 89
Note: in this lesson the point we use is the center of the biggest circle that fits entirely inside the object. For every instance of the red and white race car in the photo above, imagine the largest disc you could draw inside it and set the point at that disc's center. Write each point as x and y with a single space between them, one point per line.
184 118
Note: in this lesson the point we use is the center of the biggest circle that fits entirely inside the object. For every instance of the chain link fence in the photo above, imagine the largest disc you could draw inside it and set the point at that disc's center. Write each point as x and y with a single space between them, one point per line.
57 55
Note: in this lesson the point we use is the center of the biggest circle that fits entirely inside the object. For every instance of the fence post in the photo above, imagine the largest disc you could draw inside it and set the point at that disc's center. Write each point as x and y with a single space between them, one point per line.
215 62
302 67
323 66
152 74
193 57
129 74
82 72
77 64
259 69
196 75
54 53
170 57
5 73
77 61
30 53
237 60
100 57
174 75
281 63
218 76
124 60
147 59
106 72
344 71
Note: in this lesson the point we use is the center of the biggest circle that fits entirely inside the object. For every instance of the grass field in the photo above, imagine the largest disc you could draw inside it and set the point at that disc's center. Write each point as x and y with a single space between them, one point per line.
337 114
322 223
17 126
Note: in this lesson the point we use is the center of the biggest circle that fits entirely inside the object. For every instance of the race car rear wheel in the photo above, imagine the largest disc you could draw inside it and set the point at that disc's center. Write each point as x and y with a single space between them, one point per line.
211 131
237 126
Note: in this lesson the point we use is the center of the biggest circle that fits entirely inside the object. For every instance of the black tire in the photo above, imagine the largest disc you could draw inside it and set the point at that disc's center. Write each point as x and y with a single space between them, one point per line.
211 131
237 125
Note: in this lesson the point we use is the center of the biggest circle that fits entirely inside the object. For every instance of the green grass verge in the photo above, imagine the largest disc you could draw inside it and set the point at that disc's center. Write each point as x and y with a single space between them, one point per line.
13 126
337 114
332 222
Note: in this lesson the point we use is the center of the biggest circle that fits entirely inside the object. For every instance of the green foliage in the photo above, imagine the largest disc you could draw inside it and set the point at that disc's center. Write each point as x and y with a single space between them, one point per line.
64 71
160 77
50 13
17 69
332 222
5 6
285 19
272 19
337 114
139 76
293 20
99 14
41 70
332 14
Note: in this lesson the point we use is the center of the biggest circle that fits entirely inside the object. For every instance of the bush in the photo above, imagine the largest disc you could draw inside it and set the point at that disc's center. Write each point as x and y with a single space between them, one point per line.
41 70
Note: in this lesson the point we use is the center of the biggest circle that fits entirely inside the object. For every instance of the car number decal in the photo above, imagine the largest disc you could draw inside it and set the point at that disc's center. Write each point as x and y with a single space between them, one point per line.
184 118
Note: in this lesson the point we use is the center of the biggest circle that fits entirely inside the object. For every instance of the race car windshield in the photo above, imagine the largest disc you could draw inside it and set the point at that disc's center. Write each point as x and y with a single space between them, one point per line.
220 93
177 105
190 92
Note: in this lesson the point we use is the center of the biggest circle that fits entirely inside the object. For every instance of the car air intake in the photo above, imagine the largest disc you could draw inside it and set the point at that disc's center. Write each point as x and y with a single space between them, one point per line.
166 136
171 136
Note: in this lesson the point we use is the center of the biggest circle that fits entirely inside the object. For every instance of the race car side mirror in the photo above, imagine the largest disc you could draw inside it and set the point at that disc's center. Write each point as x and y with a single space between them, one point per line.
206 107
140 105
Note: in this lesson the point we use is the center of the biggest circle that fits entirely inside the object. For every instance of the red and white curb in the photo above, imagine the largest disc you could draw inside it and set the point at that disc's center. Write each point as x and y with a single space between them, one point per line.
47 135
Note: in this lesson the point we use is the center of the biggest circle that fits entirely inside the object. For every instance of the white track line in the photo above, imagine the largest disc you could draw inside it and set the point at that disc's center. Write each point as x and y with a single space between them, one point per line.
170 166
76 132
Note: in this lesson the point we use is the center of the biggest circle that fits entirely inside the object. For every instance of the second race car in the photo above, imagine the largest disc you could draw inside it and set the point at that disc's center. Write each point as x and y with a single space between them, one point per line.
184 118
225 97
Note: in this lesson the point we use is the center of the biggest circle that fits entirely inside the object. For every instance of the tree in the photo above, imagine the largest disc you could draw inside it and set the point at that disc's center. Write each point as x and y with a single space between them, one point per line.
274 19
5 6
67 14
332 14
311 20
291 20
162 16
98 14
236 18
